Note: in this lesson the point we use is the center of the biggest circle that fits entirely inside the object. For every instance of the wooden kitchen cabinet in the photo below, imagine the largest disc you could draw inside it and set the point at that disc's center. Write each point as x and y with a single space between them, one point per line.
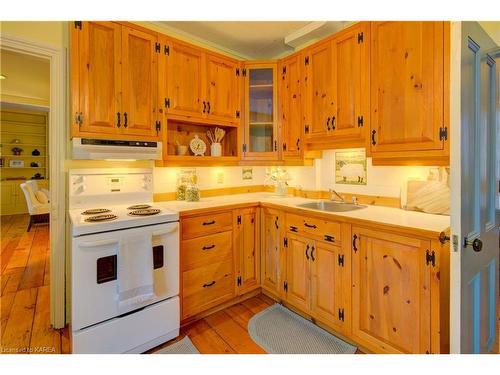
247 249
290 99
273 264
114 81
297 284
391 293
409 92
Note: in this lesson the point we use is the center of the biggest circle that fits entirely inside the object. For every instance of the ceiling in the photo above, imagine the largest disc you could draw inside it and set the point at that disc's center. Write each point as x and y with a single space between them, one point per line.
254 39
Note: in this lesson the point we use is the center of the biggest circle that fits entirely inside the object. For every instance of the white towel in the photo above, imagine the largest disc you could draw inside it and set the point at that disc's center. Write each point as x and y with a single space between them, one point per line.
135 272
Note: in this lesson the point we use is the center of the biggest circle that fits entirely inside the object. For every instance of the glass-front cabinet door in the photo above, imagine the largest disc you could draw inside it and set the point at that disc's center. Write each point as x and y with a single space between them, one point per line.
261 131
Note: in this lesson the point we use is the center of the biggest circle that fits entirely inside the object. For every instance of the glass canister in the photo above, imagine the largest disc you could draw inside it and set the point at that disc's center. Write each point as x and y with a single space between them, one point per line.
192 192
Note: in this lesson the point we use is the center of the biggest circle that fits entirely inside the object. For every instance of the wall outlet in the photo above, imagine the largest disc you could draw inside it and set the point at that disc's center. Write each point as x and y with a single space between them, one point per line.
220 177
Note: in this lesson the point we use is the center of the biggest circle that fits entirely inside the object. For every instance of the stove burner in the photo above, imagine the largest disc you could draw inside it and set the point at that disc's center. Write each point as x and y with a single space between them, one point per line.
139 207
145 212
95 211
107 217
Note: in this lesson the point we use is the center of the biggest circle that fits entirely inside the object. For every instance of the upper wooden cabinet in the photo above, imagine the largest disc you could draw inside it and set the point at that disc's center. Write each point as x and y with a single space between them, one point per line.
409 91
198 84
290 114
114 81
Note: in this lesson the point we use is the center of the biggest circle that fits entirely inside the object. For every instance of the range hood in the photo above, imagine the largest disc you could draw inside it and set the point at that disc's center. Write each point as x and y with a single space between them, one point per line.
101 149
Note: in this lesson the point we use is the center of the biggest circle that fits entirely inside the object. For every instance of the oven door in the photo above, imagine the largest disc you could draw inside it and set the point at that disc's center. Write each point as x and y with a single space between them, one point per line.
94 271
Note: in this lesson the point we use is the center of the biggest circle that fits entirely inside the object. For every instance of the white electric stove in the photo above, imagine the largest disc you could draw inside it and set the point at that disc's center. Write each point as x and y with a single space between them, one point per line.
124 262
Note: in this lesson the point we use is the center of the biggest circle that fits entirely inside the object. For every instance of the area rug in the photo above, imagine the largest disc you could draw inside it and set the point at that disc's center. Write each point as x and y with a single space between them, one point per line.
280 331
184 346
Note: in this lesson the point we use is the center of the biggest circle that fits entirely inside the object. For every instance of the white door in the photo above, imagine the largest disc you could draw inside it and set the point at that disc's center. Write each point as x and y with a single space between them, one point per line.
475 246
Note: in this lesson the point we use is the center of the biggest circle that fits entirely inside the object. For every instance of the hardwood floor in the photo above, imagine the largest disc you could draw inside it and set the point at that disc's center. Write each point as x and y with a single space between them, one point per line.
25 292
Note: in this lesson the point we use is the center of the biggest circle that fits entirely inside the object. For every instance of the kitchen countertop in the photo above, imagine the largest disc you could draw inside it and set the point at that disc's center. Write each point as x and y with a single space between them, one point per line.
378 214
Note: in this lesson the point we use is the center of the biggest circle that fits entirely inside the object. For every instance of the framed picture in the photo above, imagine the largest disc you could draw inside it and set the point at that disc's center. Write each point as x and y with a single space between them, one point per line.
350 167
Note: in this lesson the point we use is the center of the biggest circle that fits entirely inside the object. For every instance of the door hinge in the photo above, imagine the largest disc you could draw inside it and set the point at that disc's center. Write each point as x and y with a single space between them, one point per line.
329 238
293 229
306 129
237 114
167 102
157 47
285 242
360 37
284 70
237 72
285 286
78 25
244 147
306 60
430 257
158 127
284 146
360 121
166 50
341 314
443 133
238 221
79 118
341 260
244 72
238 281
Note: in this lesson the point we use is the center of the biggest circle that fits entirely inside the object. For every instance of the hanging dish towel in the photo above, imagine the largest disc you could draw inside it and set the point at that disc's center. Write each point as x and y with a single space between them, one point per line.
135 272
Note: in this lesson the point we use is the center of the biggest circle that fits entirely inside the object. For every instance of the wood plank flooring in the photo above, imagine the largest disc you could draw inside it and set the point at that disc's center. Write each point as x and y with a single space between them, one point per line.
25 291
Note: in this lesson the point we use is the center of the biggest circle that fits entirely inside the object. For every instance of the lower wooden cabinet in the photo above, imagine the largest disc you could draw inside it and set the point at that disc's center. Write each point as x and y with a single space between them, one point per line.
391 293
272 259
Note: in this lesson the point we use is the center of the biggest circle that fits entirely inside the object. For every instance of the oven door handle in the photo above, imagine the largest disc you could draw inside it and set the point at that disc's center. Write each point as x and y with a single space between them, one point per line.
99 243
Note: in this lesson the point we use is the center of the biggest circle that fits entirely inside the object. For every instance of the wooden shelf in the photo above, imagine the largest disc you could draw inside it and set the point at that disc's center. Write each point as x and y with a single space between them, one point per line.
22 144
265 123
22 156
264 85
23 168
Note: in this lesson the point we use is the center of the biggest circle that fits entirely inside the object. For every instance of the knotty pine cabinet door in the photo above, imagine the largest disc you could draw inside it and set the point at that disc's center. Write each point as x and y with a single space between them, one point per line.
407 80
247 248
184 66
351 85
272 268
139 82
298 272
290 97
318 88
222 89
391 294
96 78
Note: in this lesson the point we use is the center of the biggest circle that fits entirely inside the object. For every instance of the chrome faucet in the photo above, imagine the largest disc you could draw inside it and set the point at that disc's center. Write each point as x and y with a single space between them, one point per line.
335 194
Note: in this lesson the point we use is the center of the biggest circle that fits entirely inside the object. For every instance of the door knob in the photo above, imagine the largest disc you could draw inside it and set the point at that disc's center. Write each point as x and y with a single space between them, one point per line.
477 244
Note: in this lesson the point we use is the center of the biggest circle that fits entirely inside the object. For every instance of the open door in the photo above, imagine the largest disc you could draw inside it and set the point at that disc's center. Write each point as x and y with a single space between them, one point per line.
475 247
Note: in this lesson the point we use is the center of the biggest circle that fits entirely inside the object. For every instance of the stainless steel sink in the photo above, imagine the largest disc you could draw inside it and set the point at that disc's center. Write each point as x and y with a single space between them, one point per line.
331 206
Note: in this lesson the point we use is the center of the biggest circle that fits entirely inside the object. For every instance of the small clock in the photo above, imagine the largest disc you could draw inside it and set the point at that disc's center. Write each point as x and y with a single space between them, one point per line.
198 147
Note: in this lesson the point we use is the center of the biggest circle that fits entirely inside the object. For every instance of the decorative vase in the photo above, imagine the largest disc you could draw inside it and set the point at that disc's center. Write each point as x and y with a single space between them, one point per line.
35 152
216 149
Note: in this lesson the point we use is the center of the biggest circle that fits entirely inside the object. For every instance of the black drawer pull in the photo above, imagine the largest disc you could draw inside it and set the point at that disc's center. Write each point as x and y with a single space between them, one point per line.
208 247
209 222
209 284
310 225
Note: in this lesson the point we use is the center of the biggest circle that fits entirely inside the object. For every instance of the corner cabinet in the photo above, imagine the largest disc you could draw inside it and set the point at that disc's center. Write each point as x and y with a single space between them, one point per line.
114 81
410 92
261 112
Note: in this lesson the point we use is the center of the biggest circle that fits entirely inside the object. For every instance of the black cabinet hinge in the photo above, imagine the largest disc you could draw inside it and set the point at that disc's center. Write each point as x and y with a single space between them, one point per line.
158 127
430 257
360 121
306 60
157 47
167 102
306 129
329 238
237 114
293 229
443 133
284 146
360 37
78 25
244 147
284 70
237 72
244 72
341 260
238 281
238 221
285 286
285 242
166 50
341 314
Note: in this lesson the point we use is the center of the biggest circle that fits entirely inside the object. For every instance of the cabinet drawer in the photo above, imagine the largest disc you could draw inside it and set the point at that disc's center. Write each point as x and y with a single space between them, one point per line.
325 230
205 287
206 250
201 225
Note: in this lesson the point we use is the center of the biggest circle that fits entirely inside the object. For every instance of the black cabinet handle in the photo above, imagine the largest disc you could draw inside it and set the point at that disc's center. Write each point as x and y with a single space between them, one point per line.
275 145
125 119
328 123
204 106
118 123
298 144
208 105
307 252
209 284
333 122
209 222
276 222
354 238
208 247
373 137
310 225
312 254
